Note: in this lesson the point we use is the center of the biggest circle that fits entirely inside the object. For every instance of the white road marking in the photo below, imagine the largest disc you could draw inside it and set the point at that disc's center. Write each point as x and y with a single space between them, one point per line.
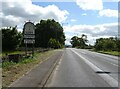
104 60
111 81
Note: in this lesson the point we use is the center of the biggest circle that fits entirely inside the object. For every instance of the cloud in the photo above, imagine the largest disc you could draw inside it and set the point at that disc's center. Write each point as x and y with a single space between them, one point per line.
84 14
92 31
17 11
90 4
73 20
108 13
96 5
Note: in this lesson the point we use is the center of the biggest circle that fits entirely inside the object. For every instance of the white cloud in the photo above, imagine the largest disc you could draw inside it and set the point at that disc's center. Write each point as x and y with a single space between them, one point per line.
108 13
90 4
92 31
73 20
84 14
15 12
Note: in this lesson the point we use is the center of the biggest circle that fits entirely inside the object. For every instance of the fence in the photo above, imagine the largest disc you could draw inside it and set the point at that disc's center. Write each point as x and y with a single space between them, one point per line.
18 57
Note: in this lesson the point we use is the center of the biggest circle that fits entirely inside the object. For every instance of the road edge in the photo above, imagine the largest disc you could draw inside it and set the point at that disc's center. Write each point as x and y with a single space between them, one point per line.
30 70
51 70
106 77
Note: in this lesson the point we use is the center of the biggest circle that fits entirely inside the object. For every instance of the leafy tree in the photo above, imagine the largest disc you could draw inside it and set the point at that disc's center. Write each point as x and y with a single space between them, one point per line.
74 41
107 44
11 38
47 29
117 47
79 42
99 44
53 43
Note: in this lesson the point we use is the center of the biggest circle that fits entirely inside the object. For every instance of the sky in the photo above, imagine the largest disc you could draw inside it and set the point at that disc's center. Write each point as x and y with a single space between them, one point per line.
94 18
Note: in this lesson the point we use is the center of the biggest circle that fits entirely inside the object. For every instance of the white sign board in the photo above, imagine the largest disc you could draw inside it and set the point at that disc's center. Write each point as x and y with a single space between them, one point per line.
29 41
29 28
29 33
29 36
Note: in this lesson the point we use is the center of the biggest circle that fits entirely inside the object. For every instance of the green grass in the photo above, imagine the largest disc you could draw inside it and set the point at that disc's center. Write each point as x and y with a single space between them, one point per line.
7 64
11 52
23 61
115 53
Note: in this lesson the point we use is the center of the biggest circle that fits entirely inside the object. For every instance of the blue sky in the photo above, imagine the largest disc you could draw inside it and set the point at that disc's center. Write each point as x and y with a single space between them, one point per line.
95 18
78 16
92 17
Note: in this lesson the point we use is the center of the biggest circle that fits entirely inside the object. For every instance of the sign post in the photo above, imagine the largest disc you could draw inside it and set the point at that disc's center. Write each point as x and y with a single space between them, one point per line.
29 36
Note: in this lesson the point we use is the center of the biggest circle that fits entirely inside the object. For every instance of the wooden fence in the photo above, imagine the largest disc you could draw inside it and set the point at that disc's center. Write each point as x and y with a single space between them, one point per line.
18 57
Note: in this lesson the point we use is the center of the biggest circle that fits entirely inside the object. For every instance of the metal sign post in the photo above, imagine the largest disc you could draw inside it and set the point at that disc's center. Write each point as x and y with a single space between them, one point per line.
29 36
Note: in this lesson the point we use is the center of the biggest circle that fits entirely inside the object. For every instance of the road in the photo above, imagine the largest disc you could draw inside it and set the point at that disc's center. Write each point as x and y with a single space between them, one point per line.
83 68
38 75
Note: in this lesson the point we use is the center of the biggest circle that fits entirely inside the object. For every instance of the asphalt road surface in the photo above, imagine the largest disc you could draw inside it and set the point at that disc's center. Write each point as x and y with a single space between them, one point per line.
83 68
36 77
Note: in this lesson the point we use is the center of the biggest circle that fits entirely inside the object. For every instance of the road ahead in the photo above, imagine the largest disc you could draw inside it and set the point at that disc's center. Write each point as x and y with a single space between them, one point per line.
82 68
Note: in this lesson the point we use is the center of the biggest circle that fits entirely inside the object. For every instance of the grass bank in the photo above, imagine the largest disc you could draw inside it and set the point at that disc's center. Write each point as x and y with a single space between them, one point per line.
12 71
114 53
11 52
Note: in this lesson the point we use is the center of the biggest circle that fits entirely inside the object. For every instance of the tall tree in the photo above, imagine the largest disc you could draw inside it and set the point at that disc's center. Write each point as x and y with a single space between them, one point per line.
47 29
11 38
74 41
79 41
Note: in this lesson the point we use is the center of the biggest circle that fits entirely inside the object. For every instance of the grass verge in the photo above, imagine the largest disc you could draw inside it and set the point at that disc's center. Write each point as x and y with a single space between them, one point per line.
12 71
114 53
11 52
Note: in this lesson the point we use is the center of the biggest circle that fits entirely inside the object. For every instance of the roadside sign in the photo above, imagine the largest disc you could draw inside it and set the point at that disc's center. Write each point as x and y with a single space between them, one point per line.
29 36
29 41
29 28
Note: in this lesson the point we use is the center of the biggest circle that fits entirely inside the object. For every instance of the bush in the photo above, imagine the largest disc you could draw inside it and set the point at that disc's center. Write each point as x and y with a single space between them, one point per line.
53 43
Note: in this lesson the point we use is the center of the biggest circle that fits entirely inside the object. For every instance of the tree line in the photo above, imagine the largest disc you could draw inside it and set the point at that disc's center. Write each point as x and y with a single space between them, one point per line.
11 38
101 44
48 34
107 44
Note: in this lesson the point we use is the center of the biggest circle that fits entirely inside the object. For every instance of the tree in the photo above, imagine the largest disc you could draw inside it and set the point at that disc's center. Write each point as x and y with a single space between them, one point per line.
79 42
11 38
53 43
47 29
74 41
107 44
117 47
99 44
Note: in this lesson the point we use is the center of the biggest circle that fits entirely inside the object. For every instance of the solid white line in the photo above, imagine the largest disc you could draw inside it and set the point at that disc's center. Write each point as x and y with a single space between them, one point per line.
111 81
104 60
